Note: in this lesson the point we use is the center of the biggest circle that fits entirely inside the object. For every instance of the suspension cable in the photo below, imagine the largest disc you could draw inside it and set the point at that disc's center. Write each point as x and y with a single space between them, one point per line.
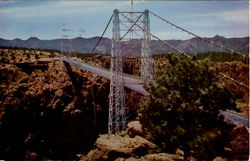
102 34
167 44
202 38
221 74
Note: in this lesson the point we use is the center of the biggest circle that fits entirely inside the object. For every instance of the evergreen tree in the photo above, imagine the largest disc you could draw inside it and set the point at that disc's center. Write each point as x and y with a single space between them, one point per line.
183 109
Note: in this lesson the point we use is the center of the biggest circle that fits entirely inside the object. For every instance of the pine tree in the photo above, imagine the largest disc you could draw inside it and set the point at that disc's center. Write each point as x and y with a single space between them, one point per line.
183 109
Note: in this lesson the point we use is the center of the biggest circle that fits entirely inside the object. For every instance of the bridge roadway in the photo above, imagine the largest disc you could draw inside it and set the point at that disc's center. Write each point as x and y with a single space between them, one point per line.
130 81
135 84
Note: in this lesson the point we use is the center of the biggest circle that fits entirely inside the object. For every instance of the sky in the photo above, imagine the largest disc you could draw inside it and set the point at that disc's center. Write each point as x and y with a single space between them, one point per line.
56 18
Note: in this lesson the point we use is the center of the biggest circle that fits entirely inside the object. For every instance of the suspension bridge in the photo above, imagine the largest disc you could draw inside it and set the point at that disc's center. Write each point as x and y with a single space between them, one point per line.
129 26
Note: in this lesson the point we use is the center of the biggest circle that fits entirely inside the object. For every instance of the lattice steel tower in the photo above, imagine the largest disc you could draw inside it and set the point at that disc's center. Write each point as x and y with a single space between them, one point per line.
146 56
136 23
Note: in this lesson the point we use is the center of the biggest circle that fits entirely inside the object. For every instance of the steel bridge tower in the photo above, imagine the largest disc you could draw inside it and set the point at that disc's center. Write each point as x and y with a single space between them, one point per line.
135 22
146 56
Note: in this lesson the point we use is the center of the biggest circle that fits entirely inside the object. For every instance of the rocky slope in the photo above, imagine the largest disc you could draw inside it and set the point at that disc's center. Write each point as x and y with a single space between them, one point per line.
42 116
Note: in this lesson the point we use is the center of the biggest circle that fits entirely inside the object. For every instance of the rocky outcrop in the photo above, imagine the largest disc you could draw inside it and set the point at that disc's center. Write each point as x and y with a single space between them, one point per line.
134 128
154 157
238 147
128 146
121 147
111 147
220 159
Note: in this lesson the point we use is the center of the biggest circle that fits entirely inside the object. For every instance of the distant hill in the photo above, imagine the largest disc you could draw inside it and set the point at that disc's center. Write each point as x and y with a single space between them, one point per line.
85 45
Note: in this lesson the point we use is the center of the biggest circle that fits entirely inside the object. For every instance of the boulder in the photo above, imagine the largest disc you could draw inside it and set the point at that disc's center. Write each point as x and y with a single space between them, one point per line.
134 128
96 155
154 157
125 145
162 157
220 159
110 147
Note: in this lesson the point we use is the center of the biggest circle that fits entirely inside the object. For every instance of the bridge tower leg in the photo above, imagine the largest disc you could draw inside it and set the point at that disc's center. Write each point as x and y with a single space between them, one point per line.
147 70
117 120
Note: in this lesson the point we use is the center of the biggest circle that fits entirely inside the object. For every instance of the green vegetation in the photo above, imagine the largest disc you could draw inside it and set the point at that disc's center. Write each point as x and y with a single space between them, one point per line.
23 48
213 56
183 109
222 57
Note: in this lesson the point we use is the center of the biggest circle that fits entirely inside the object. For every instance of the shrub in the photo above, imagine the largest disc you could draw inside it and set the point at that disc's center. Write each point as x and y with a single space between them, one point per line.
182 110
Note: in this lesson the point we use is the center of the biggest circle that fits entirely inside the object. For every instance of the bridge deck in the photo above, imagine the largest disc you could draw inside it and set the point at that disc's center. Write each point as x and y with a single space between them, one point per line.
129 81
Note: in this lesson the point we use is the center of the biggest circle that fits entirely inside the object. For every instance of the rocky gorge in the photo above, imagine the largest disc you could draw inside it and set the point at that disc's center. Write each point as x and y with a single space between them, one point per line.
44 116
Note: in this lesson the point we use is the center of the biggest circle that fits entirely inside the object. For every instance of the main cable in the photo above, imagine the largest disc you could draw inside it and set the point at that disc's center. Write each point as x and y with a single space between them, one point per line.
102 35
202 38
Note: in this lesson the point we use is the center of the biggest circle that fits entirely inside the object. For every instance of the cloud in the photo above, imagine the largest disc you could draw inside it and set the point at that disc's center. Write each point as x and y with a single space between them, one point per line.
47 18
236 16
60 8
233 16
